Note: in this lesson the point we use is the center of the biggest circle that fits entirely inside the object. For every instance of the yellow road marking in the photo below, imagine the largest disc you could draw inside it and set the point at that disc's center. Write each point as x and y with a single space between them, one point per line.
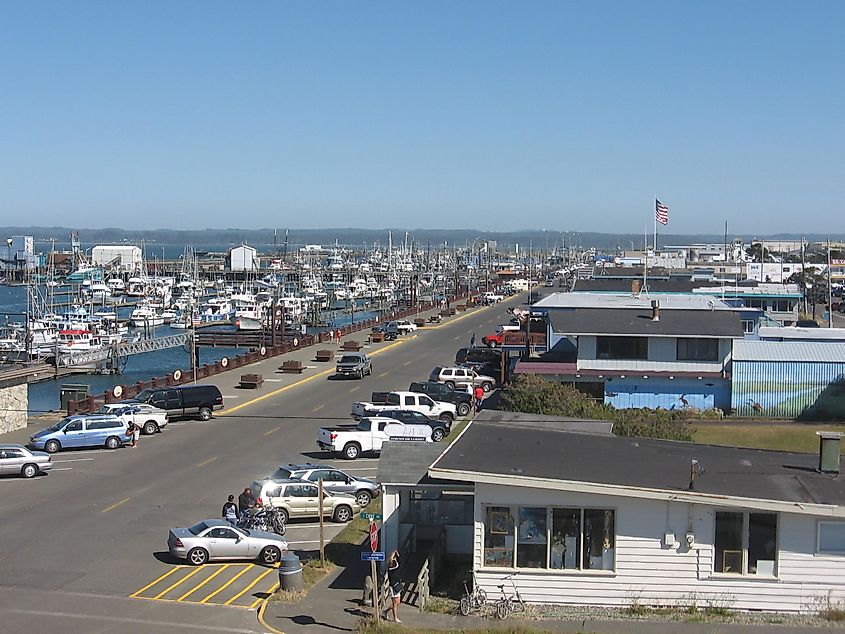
276 428
228 583
205 462
185 578
357 387
135 594
269 592
257 399
407 363
379 376
210 577
115 505
240 607
250 586
318 408
261 620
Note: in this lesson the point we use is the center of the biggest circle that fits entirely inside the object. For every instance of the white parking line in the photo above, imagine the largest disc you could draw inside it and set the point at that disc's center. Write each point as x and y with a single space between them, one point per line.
231 396
273 380
72 460
327 525
62 469
362 469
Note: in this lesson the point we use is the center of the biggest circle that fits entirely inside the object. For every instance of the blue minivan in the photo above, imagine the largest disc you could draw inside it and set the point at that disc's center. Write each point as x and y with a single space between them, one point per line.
81 431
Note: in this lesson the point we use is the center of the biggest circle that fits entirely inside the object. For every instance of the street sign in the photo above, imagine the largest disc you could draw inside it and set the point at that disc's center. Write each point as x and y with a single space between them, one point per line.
376 556
373 537
370 516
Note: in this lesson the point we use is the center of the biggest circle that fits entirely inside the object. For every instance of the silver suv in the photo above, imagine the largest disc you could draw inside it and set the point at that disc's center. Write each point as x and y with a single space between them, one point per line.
334 480
462 377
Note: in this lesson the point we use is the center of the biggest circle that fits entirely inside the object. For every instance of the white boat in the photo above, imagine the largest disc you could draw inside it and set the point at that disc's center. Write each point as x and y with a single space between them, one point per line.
169 315
78 340
145 316
116 285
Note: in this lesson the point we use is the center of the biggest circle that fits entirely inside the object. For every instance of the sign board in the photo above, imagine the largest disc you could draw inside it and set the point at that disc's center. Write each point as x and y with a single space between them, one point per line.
370 516
373 537
375 556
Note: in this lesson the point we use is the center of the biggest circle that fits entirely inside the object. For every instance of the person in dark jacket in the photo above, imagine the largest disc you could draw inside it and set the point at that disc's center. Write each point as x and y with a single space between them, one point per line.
395 585
230 511
246 501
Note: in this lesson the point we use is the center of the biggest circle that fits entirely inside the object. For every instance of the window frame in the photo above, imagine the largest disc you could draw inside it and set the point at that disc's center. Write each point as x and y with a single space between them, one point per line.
818 550
695 342
615 356
746 539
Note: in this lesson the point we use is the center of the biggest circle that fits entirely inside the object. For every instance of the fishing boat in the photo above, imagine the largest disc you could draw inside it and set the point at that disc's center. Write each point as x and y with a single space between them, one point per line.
145 316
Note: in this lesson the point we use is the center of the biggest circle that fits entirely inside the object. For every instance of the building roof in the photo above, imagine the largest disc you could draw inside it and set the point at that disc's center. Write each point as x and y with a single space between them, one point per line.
807 334
500 453
629 321
407 462
799 351
626 300
599 284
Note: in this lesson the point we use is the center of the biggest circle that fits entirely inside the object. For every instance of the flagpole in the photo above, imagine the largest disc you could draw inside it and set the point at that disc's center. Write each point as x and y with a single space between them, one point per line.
645 266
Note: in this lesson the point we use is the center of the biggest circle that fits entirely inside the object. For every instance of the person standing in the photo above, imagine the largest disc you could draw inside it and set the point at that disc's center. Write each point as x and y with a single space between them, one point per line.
478 393
246 500
230 511
133 432
472 341
394 581
331 335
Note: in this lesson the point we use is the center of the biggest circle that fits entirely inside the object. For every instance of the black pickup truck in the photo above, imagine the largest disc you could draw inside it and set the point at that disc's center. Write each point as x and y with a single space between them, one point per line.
440 392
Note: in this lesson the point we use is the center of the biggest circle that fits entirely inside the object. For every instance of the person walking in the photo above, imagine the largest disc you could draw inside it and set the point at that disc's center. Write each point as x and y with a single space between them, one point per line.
331 335
394 586
478 393
230 511
133 432
472 341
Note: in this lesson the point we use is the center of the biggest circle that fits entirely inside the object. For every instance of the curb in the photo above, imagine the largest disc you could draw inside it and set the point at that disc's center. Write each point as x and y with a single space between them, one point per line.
260 614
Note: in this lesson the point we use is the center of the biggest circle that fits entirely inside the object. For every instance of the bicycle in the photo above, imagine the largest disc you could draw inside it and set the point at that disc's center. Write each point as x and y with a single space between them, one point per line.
475 600
509 604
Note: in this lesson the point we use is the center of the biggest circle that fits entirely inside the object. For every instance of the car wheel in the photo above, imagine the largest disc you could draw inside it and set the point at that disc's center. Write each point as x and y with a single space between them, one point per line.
487 387
283 515
150 427
463 409
52 446
197 556
270 555
29 471
112 442
363 498
450 385
446 417
205 414
351 451
342 514
437 434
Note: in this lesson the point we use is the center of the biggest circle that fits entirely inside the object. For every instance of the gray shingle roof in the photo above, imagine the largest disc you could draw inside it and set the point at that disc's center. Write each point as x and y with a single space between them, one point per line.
626 321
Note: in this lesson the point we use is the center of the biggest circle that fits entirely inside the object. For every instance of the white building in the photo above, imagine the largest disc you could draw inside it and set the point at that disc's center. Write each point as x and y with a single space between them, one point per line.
595 519
126 258
243 259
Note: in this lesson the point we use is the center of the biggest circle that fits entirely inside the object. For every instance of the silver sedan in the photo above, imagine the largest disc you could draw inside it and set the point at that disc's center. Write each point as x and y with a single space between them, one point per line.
217 539
20 460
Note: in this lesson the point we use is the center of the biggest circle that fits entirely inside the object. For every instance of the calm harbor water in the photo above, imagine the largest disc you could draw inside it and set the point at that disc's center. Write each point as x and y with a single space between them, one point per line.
44 395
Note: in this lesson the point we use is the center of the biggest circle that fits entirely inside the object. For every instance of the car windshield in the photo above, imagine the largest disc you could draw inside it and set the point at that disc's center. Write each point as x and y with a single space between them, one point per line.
59 425
105 409
144 395
348 358
281 474
197 528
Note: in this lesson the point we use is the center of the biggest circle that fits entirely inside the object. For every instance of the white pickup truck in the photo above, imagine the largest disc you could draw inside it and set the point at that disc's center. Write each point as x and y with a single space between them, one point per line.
368 435
492 298
447 412
148 418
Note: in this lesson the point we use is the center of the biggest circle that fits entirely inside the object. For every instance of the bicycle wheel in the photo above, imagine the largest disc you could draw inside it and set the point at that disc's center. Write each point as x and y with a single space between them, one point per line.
466 607
502 609
516 605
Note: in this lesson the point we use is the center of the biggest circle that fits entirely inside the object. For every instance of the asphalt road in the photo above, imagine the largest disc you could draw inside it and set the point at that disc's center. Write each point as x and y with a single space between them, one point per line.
78 542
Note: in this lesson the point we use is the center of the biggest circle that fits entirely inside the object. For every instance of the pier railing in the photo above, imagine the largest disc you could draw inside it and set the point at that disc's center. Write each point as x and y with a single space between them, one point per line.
285 345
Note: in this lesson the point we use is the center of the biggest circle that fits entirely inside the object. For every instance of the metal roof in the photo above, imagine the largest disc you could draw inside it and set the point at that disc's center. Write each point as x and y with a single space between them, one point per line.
800 351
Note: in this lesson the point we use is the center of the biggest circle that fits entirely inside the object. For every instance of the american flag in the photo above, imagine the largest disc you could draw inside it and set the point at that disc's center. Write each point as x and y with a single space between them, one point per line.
661 212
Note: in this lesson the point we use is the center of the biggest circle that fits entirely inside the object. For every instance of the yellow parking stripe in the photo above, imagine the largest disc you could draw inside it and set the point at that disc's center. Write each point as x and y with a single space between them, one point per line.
228 583
135 594
250 586
260 599
210 577
185 578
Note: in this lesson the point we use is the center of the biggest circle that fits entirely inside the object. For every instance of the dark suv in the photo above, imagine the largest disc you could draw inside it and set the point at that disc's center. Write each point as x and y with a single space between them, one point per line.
440 392
189 400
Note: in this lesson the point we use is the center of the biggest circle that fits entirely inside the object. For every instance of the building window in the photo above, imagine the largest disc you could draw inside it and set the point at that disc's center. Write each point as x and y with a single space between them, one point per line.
698 349
599 539
782 306
498 537
745 543
531 537
622 348
756 303
831 538
748 326
566 539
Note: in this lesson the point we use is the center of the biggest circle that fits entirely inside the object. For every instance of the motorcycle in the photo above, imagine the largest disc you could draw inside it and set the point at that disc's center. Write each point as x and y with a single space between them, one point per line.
266 518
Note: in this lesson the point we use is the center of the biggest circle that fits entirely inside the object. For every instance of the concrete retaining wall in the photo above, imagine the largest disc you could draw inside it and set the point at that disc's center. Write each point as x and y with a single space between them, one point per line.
14 401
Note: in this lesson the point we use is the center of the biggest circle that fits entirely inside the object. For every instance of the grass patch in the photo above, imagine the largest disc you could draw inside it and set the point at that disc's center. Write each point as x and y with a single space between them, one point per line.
441 605
457 428
799 437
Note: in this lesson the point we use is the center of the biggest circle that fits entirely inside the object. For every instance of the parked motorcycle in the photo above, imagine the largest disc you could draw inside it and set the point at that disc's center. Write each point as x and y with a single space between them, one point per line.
266 518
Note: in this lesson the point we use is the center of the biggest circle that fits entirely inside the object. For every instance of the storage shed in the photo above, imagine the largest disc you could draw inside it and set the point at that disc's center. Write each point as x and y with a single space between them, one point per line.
126 258
789 379
243 259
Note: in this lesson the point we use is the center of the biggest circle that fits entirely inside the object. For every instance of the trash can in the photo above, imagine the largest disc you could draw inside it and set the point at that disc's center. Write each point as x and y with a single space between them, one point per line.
72 392
290 573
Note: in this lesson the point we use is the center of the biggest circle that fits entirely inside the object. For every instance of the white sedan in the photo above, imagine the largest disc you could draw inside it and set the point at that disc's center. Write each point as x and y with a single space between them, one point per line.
404 326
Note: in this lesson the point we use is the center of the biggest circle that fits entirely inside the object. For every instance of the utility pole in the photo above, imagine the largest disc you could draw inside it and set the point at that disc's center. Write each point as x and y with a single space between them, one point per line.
322 534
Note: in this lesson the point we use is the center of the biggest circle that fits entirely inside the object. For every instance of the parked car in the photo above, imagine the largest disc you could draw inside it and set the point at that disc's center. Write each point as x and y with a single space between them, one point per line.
491 298
148 418
368 436
19 460
459 376
439 429
445 411
90 430
402 326
478 355
355 364
296 498
334 480
211 540
440 392
496 338
189 400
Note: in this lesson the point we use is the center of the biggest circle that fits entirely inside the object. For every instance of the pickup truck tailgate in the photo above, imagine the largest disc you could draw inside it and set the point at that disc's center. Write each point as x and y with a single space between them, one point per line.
325 438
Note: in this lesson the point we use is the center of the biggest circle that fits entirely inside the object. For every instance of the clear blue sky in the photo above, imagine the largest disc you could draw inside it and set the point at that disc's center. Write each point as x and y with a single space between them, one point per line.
508 115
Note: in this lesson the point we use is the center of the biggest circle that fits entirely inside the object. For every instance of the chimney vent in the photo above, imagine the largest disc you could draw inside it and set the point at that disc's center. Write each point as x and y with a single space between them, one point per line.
829 451
655 310
693 470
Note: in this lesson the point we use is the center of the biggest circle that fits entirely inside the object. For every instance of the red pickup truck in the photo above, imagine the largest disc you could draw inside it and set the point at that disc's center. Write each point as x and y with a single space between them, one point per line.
496 338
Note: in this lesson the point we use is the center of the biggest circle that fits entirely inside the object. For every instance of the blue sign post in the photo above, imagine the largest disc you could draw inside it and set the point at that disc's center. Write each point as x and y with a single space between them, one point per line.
376 556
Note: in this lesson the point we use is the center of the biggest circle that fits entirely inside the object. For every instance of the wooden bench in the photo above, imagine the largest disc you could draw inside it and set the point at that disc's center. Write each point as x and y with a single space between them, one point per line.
376 337
251 381
351 346
292 367
325 355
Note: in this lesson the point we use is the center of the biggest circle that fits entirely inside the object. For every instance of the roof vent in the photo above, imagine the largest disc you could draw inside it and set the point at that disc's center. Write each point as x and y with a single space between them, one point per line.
655 310
829 451
694 470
